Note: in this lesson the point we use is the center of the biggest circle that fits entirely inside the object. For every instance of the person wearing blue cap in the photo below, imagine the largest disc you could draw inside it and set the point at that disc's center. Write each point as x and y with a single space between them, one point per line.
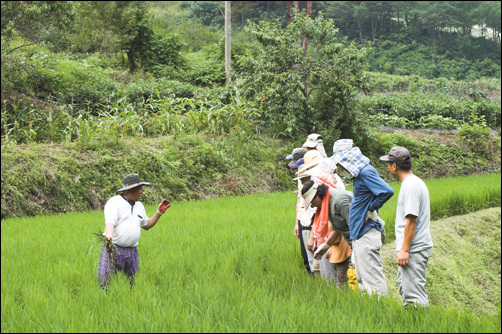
300 231
370 192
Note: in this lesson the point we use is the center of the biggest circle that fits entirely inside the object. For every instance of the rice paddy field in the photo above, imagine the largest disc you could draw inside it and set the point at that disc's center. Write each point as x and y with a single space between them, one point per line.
223 265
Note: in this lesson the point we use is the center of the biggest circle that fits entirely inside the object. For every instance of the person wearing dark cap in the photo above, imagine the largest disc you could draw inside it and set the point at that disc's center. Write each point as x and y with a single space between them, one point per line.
125 215
296 157
412 228
300 231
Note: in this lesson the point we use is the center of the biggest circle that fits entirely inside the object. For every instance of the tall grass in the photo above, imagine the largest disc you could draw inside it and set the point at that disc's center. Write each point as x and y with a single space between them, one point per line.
450 197
226 265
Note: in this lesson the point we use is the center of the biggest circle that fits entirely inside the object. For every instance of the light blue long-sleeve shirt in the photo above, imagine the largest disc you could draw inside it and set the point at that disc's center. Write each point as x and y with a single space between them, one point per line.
370 193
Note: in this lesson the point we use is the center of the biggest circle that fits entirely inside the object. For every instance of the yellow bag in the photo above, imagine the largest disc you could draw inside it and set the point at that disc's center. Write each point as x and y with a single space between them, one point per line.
351 275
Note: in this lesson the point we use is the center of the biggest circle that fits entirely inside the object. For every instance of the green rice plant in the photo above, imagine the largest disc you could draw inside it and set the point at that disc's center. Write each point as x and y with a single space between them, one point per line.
450 197
111 249
221 265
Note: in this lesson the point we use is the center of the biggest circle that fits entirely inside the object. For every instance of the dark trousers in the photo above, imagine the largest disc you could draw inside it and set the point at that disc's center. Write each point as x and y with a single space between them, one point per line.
303 250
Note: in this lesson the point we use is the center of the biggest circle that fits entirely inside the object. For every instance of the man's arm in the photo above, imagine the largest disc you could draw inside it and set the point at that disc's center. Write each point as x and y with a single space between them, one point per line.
109 228
382 191
152 221
334 238
161 209
409 233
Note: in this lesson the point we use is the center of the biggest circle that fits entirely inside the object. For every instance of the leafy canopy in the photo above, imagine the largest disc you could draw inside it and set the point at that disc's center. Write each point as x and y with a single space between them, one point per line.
305 87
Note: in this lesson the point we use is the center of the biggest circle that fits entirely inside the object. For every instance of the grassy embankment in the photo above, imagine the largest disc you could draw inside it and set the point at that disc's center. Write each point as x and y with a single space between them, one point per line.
233 265
40 178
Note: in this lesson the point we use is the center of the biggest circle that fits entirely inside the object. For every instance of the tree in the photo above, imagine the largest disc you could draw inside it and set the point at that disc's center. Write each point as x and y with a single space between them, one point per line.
209 12
33 22
123 26
310 90
228 40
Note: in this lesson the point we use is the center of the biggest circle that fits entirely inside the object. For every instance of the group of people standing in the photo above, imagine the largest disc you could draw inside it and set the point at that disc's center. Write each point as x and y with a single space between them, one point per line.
339 229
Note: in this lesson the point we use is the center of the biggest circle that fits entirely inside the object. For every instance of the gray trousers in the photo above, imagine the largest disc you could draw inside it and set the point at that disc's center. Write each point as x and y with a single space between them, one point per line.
328 270
310 254
411 278
367 261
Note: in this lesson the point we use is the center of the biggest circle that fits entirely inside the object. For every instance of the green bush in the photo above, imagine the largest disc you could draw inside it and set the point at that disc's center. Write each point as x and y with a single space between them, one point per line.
203 68
475 135
418 108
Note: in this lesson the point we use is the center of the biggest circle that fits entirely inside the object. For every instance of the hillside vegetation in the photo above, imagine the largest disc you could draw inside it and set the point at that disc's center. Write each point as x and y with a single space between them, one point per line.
52 178
92 91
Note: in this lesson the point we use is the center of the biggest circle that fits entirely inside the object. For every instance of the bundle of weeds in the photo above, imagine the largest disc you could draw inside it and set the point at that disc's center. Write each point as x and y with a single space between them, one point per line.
111 249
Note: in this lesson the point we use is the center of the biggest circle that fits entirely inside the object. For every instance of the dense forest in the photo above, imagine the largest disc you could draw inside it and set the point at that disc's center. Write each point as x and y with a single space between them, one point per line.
297 66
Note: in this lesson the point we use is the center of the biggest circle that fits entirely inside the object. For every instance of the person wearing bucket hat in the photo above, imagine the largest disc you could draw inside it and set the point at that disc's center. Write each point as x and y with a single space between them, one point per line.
314 142
125 215
412 228
332 204
370 192
297 160
321 171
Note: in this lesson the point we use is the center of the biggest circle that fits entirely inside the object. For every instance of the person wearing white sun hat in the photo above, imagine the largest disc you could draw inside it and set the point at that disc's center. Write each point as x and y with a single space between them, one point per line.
320 229
296 158
332 204
314 142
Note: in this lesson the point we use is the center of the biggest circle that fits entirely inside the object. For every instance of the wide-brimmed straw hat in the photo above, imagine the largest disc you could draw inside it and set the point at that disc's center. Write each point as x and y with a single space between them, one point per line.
132 181
311 158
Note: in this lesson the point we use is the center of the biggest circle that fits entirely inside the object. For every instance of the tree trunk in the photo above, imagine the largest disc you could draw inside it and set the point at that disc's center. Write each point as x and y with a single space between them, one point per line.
297 7
288 11
228 45
305 39
373 28
440 40
390 22
130 58
360 30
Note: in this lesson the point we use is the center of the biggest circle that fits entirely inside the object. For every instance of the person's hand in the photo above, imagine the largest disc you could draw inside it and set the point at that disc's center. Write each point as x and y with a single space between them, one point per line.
108 241
163 206
321 250
371 215
310 244
403 258
297 235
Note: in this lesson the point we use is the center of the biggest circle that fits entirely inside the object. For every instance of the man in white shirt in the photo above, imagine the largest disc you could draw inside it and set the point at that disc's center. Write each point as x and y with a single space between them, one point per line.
412 229
124 216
